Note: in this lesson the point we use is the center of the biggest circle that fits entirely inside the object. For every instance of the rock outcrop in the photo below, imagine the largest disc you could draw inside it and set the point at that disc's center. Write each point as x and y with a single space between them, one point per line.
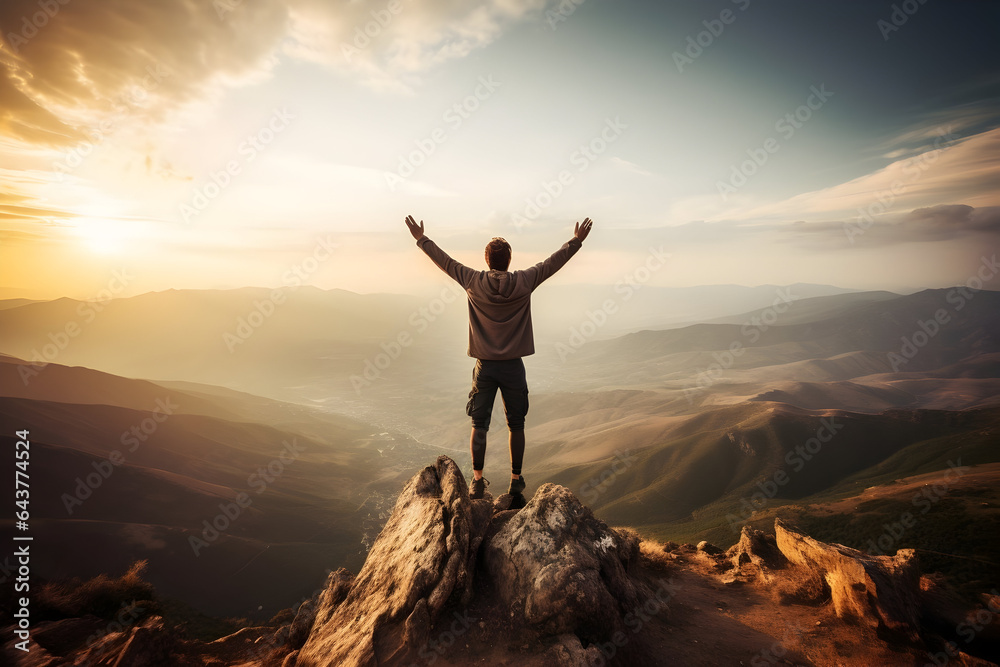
756 548
875 590
562 569
882 592
755 556
544 584
420 561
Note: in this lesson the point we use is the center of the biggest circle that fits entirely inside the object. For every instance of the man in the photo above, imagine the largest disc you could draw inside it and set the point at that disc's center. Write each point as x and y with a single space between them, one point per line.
499 336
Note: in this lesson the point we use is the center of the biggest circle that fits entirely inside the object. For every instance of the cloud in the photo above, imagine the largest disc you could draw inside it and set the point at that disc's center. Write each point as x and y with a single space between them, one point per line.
951 171
18 207
950 123
950 221
65 73
630 166
388 45
940 223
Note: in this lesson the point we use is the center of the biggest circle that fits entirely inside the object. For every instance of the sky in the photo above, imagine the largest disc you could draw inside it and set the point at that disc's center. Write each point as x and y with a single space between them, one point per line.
228 143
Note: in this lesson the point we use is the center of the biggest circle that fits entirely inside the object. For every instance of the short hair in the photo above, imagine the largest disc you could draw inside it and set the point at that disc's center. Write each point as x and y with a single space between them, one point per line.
498 254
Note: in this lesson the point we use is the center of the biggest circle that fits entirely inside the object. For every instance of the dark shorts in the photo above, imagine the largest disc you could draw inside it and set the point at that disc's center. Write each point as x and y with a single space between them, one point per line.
507 376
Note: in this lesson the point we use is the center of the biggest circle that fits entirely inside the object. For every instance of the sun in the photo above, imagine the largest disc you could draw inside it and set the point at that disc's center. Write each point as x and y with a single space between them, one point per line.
104 237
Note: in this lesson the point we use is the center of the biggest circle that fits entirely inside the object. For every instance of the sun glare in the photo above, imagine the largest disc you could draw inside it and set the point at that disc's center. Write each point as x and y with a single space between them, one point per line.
102 236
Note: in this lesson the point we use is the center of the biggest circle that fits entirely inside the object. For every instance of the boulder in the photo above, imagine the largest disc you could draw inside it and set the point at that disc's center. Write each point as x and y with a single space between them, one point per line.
569 652
562 570
757 549
874 590
707 547
300 627
419 562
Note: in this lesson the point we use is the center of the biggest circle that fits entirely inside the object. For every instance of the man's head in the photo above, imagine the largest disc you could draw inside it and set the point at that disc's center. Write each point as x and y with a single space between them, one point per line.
498 254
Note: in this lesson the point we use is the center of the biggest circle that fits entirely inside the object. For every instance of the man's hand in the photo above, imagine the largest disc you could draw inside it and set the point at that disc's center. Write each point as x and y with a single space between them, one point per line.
582 230
415 229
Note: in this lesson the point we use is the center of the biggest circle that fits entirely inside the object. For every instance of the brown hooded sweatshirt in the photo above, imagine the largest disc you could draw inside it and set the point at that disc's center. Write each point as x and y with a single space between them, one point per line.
500 301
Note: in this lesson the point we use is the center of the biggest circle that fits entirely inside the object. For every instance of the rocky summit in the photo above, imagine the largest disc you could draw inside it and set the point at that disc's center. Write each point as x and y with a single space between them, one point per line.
453 581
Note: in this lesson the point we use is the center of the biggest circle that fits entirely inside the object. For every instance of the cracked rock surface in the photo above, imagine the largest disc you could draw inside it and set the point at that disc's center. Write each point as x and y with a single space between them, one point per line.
420 560
561 567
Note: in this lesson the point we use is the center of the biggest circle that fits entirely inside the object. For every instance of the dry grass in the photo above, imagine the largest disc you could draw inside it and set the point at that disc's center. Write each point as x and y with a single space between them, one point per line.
102 596
653 556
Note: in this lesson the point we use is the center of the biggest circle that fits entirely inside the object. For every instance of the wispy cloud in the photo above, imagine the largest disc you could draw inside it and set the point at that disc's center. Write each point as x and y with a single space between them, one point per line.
389 45
962 171
630 166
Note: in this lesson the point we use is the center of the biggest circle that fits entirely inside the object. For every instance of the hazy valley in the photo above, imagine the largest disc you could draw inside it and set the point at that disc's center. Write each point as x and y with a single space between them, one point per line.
791 407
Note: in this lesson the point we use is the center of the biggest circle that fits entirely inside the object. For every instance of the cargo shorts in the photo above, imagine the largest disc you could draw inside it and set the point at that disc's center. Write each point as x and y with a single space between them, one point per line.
508 376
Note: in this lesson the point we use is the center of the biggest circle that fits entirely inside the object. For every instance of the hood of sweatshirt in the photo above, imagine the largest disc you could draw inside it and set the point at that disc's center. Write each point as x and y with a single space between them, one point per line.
503 285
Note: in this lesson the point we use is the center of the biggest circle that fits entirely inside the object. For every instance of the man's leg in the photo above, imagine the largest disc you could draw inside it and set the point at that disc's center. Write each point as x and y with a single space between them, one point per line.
480 409
514 388
477 446
516 441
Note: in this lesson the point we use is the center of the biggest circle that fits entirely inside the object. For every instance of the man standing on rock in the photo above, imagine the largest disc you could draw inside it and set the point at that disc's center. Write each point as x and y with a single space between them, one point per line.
500 335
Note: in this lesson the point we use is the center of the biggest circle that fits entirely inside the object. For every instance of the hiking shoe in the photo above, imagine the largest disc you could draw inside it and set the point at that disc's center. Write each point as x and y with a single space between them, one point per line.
516 486
478 487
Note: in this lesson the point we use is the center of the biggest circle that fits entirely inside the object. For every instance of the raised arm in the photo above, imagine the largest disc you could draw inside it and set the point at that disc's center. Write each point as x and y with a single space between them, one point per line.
456 270
540 272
